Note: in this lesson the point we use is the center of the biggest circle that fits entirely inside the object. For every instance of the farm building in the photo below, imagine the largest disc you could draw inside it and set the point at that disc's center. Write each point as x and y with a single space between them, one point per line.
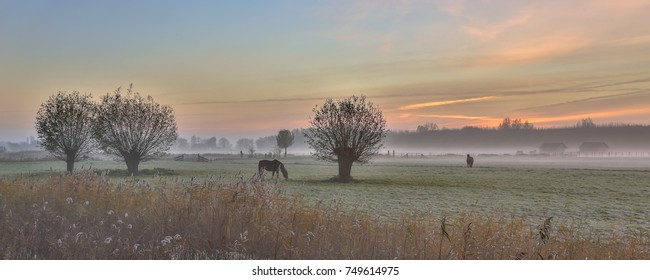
593 147
552 148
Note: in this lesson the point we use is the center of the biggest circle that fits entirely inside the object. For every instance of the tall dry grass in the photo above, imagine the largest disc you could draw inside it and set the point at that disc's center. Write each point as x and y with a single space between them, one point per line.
89 216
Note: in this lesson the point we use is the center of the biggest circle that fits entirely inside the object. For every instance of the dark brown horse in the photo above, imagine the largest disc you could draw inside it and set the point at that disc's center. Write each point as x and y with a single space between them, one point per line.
470 161
275 166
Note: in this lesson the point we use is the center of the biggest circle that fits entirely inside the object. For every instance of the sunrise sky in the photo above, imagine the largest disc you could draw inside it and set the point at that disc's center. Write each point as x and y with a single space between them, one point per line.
251 68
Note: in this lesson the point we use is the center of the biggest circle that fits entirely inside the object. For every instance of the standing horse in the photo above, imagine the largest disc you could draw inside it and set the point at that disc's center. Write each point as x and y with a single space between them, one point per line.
274 166
470 161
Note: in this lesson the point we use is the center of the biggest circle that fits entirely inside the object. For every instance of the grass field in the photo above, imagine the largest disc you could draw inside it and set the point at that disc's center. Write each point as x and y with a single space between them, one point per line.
423 208
602 195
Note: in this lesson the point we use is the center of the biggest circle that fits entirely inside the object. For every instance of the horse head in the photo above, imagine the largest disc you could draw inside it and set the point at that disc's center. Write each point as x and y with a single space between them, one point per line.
285 174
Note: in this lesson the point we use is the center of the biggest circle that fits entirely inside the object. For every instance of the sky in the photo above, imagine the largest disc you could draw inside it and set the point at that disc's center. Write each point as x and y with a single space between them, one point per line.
251 68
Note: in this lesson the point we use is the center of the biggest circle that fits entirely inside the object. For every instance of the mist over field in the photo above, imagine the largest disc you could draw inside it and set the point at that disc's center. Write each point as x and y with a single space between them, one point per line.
476 140
619 140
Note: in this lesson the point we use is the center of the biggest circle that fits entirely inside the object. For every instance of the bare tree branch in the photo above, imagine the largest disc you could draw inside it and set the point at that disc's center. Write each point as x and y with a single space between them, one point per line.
346 131
134 128
64 126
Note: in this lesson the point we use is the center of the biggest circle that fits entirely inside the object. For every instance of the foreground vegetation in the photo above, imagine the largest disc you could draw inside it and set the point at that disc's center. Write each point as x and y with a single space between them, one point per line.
91 216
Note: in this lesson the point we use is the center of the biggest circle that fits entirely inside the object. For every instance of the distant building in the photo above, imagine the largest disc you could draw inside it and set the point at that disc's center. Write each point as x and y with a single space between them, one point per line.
593 147
552 148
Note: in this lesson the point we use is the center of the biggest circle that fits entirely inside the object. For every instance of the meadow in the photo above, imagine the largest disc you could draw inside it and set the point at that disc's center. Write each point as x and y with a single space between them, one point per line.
417 208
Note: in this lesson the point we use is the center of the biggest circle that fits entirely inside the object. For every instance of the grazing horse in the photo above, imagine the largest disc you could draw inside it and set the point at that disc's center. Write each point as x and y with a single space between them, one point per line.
470 161
274 166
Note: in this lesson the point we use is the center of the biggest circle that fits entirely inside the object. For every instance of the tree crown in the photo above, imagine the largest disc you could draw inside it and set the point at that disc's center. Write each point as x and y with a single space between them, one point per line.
351 124
284 138
129 125
64 125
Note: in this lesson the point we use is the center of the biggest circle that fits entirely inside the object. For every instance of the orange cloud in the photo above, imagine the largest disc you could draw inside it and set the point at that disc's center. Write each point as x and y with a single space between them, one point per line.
492 31
533 51
462 117
462 120
625 5
493 121
613 113
635 40
445 102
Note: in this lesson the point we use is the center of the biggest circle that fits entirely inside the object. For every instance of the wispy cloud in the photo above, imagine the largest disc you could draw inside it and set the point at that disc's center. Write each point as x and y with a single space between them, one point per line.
370 10
634 40
624 5
627 97
461 117
248 101
451 7
527 31
491 31
606 114
532 51
444 102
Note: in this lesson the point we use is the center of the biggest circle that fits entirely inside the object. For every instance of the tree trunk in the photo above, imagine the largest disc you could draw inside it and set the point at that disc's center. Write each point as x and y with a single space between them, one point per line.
70 162
345 159
345 169
132 164
285 151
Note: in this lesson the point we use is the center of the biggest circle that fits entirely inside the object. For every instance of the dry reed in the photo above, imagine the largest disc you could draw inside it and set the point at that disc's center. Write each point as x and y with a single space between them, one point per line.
89 216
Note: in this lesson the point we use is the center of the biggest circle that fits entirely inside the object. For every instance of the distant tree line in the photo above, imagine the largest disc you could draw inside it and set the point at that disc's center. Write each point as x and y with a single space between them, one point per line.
29 144
510 134
267 144
508 123
199 144
515 134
